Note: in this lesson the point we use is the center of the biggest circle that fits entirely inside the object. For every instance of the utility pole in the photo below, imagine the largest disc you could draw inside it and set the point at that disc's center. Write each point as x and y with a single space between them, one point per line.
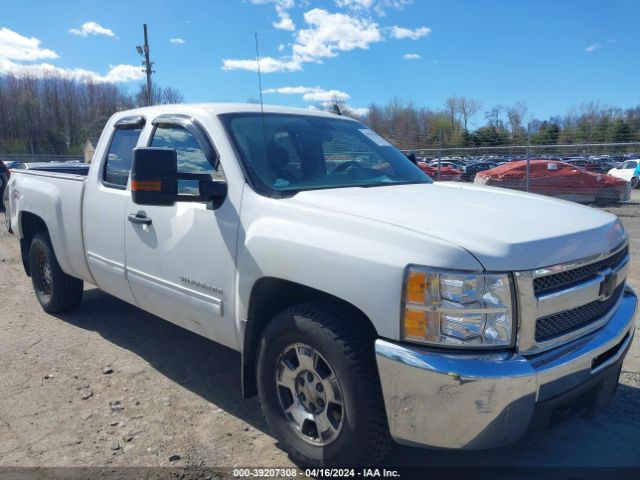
146 63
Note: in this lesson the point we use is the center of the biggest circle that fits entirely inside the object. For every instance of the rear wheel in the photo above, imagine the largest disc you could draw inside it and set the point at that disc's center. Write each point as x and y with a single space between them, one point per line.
56 291
319 387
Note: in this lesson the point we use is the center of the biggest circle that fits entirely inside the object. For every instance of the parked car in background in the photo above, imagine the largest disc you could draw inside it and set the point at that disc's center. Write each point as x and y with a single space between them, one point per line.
469 173
557 179
609 162
588 165
446 174
4 177
13 164
452 163
628 171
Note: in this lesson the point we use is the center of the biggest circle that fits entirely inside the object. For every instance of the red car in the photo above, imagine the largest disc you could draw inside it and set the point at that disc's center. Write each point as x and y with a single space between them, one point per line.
557 179
446 173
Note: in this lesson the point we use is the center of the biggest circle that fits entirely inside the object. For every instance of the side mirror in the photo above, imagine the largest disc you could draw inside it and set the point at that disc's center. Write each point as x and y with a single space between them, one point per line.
154 176
155 180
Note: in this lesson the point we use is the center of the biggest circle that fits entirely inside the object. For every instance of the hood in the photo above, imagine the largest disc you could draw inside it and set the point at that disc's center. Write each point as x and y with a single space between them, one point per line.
504 229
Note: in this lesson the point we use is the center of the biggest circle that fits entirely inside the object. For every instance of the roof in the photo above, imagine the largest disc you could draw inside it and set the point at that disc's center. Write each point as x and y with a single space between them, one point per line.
222 108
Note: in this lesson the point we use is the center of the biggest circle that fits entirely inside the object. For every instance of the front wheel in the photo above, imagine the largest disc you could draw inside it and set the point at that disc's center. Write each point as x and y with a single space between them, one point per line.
635 182
319 387
56 291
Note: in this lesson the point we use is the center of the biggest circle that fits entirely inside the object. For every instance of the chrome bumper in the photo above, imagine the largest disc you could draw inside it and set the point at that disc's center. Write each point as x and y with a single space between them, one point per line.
473 401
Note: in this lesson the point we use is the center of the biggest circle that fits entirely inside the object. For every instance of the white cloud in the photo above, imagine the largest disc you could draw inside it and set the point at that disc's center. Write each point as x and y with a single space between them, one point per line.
116 73
355 4
177 41
282 6
14 46
330 33
327 35
593 48
267 65
92 28
310 94
401 32
15 49
361 111
284 22
378 6
412 56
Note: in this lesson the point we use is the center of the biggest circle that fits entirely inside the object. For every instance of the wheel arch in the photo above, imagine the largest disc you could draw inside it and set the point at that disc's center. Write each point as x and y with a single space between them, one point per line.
270 296
30 225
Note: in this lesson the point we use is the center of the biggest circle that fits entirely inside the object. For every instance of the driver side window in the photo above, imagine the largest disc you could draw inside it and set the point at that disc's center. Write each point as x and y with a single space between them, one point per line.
191 157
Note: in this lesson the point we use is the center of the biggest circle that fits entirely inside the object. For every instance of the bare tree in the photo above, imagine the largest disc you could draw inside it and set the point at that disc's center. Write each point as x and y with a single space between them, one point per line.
55 115
516 115
494 117
468 109
452 106
159 95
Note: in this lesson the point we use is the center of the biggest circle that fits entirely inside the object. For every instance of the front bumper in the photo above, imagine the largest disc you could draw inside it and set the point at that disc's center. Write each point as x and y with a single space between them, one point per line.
476 401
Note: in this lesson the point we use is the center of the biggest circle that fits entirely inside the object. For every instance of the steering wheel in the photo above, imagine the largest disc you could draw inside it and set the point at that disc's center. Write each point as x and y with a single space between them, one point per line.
345 166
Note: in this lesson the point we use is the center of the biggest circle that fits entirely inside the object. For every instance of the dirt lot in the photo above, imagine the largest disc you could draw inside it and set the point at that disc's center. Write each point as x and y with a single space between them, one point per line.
111 385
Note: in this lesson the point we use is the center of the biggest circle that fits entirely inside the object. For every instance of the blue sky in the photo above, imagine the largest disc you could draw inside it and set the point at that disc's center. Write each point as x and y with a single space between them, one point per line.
550 54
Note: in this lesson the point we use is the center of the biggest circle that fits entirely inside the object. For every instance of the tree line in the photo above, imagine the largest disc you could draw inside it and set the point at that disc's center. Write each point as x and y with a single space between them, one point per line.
408 126
56 115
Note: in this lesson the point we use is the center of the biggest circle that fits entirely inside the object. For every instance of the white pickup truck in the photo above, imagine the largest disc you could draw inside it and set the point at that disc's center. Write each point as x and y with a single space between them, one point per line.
368 302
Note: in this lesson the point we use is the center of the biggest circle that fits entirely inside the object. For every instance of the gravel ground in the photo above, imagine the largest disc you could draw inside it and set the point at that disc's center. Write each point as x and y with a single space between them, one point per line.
110 385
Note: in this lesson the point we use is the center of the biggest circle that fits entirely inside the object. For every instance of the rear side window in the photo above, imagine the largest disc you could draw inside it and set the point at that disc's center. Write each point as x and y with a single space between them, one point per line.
118 164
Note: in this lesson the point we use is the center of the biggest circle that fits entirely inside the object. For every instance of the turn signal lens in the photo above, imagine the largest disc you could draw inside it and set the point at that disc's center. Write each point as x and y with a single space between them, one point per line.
420 325
416 284
146 185
415 323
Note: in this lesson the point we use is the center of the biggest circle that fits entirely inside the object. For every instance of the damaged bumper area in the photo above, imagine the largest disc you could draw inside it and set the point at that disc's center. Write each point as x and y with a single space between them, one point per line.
478 401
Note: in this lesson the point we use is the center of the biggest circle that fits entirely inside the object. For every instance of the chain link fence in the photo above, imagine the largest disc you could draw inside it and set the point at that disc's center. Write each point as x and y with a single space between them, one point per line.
597 174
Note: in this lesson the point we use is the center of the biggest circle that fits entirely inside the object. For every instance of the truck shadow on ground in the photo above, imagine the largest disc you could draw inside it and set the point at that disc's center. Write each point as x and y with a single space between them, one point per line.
212 371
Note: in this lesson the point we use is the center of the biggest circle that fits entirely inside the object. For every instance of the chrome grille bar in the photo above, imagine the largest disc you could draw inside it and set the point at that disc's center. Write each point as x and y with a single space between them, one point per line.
561 307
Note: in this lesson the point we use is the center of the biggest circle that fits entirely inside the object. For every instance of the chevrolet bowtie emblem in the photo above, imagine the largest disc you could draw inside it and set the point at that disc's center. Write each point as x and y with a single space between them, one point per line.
608 286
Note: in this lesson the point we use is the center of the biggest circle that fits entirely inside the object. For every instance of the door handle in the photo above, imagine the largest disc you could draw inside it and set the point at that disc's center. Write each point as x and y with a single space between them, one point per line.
139 218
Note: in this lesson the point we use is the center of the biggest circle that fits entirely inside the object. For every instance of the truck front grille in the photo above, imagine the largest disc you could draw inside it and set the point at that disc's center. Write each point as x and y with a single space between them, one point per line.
554 326
563 280
560 303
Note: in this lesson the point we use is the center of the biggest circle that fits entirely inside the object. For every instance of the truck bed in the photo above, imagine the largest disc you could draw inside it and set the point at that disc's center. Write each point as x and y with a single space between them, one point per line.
57 199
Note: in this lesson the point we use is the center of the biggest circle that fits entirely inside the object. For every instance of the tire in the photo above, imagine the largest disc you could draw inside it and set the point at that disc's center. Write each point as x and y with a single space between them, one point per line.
345 364
635 182
56 291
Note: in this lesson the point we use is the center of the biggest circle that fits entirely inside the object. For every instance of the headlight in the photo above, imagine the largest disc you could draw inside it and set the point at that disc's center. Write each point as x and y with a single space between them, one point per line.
457 308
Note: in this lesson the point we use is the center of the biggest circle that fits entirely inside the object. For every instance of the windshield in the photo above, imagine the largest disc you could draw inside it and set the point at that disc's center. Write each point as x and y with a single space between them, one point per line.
284 154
